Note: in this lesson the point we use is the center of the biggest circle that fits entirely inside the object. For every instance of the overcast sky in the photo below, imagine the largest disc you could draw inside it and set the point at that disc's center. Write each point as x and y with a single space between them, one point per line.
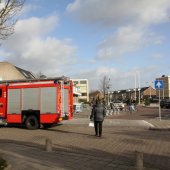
93 38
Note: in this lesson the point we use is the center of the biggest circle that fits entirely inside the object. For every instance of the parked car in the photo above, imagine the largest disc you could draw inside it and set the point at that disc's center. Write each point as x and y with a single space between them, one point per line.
78 107
165 103
118 104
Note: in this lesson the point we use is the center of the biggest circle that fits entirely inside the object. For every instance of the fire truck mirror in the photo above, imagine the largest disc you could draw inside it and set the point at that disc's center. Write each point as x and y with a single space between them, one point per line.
56 81
66 82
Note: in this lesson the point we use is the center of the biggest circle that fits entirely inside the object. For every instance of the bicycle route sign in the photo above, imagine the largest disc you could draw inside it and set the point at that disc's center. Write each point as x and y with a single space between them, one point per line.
159 84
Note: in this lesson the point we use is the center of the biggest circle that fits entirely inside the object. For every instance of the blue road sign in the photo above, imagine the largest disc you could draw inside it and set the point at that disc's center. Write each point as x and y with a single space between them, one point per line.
159 84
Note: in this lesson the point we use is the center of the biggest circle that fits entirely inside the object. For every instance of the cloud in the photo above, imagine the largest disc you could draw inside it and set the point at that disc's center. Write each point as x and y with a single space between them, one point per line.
127 39
118 12
32 48
119 79
2 5
157 56
28 8
132 22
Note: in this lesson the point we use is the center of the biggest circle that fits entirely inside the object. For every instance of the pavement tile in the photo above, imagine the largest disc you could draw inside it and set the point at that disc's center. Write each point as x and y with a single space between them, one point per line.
76 147
160 125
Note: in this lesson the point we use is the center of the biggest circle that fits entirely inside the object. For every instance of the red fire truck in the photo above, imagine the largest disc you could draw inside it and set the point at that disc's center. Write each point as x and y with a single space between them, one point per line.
36 102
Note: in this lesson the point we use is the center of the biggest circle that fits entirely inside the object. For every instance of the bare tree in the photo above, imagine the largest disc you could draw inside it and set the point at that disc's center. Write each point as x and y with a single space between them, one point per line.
8 16
104 85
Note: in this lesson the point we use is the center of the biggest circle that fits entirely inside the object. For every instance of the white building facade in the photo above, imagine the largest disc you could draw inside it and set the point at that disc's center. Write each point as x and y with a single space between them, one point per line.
82 86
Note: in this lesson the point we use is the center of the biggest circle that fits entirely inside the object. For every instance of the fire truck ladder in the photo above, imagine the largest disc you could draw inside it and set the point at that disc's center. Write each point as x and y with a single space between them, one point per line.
63 78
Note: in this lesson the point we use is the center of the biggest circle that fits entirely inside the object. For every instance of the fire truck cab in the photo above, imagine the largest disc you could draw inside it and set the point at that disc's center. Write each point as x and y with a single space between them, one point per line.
36 102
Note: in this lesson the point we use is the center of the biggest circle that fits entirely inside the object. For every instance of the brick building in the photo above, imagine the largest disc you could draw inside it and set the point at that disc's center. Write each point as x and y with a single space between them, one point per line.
133 93
165 92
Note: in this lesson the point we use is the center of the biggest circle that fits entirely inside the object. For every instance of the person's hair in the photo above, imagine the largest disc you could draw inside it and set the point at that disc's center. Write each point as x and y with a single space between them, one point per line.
98 101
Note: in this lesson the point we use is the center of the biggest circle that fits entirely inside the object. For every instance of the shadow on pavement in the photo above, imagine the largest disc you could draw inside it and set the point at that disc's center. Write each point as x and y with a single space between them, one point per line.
66 131
145 134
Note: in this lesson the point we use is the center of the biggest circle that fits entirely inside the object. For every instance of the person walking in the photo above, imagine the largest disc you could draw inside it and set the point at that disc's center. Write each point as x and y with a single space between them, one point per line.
98 113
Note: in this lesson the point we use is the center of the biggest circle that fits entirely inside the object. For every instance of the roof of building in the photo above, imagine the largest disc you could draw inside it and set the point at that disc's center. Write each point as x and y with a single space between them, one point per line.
10 72
128 90
25 73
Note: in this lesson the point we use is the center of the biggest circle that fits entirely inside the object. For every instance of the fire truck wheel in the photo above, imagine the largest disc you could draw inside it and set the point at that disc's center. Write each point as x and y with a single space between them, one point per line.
32 122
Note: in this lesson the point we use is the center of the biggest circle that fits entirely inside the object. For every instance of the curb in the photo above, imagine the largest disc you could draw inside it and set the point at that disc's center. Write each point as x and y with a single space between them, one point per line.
159 129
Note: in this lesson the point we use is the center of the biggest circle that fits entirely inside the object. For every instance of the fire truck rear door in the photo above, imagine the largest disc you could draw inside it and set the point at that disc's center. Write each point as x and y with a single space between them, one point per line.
2 100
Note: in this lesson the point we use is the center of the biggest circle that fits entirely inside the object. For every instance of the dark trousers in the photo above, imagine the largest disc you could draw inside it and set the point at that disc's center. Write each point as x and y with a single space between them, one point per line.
98 128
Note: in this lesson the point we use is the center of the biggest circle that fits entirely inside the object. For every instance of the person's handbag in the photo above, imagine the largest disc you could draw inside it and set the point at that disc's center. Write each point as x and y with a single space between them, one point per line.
91 117
91 124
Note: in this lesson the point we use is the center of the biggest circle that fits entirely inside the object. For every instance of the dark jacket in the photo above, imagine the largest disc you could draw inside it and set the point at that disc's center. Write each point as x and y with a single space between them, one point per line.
98 112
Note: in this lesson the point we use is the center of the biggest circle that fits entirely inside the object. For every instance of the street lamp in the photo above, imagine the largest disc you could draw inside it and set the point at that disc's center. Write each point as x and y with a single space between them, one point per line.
108 87
135 87
129 93
139 85
139 94
113 97
163 93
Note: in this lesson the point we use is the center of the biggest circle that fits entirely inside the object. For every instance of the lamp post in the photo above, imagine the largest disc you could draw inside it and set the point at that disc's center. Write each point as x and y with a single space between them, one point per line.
118 94
139 94
129 94
139 85
108 87
113 97
135 86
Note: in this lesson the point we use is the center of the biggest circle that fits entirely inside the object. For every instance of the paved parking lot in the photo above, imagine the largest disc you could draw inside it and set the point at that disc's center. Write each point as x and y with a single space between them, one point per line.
76 147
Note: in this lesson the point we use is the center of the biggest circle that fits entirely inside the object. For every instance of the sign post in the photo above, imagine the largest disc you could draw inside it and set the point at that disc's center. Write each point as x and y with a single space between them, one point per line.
159 107
159 85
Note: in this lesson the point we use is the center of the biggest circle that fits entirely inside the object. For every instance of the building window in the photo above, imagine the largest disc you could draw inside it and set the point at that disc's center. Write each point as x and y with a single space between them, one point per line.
76 82
83 82
83 89
84 94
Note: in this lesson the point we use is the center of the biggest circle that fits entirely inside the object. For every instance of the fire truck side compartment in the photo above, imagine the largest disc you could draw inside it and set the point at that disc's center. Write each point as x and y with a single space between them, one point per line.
48 100
32 101
43 99
65 102
14 101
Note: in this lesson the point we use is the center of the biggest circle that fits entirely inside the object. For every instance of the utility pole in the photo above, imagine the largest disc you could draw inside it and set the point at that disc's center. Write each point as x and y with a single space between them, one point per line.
108 94
135 86
139 85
